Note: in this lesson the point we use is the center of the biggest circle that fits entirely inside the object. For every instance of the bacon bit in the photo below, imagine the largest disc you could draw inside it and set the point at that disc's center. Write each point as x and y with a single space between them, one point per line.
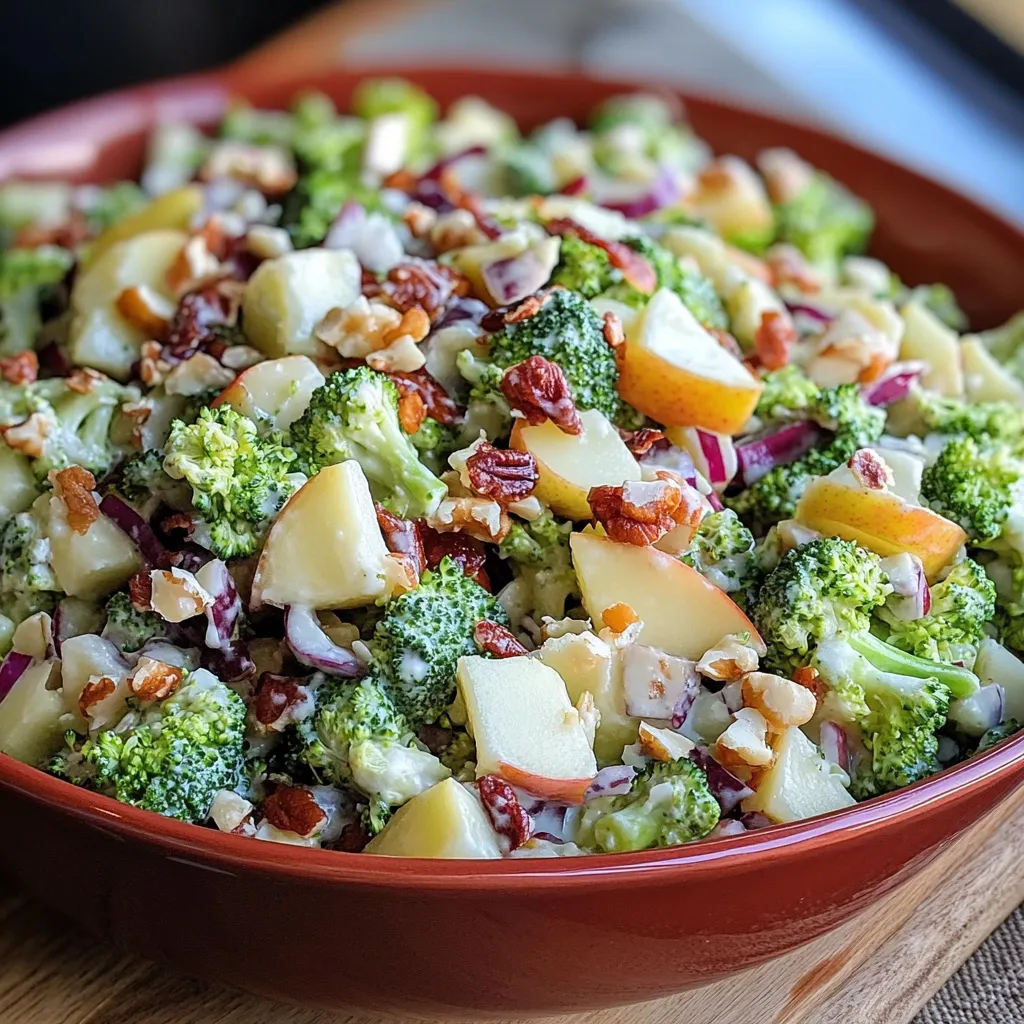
293 809
641 513
619 617
494 639
506 475
93 692
353 839
538 389
154 680
640 442
83 380
75 486
726 341
411 409
422 284
438 404
70 234
145 309
274 696
871 470
20 369
787 265
466 552
508 818
807 676
198 313
140 590
613 332
774 339
636 269
402 538
29 436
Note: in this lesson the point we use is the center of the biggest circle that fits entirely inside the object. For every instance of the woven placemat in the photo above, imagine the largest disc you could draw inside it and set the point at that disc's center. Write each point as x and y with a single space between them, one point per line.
989 988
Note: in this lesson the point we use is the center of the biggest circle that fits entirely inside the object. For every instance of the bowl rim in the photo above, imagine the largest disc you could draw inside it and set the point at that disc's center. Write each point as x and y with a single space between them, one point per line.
209 849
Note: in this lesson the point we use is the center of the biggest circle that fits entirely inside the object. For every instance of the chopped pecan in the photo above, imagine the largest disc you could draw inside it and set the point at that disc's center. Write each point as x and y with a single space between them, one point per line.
640 442
95 690
154 680
619 617
138 413
730 660
636 269
494 639
538 389
641 513
411 409
466 552
423 284
20 369
75 485
276 698
870 469
196 319
774 339
438 404
506 475
29 436
402 538
293 809
508 818
613 332
481 518
83 380
807 676
526 309
140 590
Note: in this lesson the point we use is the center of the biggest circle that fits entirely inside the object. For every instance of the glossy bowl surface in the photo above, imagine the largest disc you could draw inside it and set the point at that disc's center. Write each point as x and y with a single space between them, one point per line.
525 936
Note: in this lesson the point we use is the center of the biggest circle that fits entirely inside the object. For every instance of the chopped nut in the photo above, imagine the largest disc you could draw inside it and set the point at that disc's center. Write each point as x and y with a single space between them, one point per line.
154 680
613 332
267 168
83 380
744 742
138 413
527 508
640 513
455 229
871 470
358 329
195 265
502 805
619 617
403 355
663 744
240 357
140 590
199 315
29 436
199 373
415 323
146 309
774 339
481 518
22 368
640 442
731 659
75 486
537 389
97 689
422 284
420 220
229 810
807 676
401 538
279 701
152 368
268 242
294 809
506 475
401 575
177 595
781 701
438 404
494 639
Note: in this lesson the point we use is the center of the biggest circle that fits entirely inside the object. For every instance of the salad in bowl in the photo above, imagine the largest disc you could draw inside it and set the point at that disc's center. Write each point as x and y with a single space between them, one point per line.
401 483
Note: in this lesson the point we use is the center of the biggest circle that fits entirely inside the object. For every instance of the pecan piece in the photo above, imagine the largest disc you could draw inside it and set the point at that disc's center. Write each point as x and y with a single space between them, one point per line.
436 400
145 309
194 324
807 676
506 475
482 518
95 690
140 590
641 513
75 486
277 698
353 838
466 552
640 442
423 284
402 538
537 388
494 639
411 409
154 680
774 339
870 469
293 809
613 332
20 369
508 818
29 436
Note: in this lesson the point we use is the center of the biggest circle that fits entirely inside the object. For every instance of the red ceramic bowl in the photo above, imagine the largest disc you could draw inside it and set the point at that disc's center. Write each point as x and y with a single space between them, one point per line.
526 936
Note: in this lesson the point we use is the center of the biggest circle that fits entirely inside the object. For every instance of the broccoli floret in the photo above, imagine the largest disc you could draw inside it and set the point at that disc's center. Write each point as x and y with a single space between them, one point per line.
527 170
643 124
997 734
27 583
974 485
245 123
722 550
238 480
1006 343
424 632
585 268
898 715
668 803
459 753
142 475
377 96
981 420
318 196
354 415
825 221
434 442
568 332
854 424
171 757
21 269
106 206
539 552
817 590
954 627
390 774
128 628
786 391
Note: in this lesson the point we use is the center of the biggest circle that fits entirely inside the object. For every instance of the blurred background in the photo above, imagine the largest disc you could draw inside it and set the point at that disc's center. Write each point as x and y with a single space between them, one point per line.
936 83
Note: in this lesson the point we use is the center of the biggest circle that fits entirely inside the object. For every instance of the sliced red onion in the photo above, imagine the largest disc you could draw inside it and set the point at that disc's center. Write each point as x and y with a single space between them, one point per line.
11 670
835 744
610 781
684 701
222 616
912 598
513 279
815 313
662 192
755 819
463 309
344 228
313 647
577 187
138 531
547 816
714 501
779 448
725 787
719 456
231 664
890 389
727 827
372 238
442 165
191 557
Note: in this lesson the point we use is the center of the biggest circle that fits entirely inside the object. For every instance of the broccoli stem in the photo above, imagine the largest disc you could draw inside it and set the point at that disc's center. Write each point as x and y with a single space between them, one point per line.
961 681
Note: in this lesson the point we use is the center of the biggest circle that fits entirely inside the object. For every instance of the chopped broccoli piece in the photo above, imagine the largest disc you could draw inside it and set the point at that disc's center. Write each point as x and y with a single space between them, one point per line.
539 552
142 475
722 550
459 753
668 803
318 196
983 421
376 96
997 734
424 632
786 391
128 628
246 123
170 757
585 268
643 124
528 170
1006 343
354 415
817 590
27 583
954 627
21 269
239 481
940 300
898 716
435 442
106 206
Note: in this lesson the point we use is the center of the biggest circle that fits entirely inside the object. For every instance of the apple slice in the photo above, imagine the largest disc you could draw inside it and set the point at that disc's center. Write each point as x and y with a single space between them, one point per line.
570 464
446 820
928 339
275 392
907 471
682 613
799 783
880 521
288 296
984 379
674 371
525 726
995 664
30 716
325 549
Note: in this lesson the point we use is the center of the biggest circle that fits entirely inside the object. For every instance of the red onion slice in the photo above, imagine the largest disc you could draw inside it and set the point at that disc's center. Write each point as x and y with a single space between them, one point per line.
345 227
835 744
513 279
728 827
434 173
222 616
818 315
761 455
662 192
12 669
719 456
725 787
577 187
610 781
313 647
138 531
890 389
714 501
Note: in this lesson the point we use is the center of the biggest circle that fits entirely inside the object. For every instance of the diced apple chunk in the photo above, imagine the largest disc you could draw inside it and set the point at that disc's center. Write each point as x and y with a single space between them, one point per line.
445 821
30 716
928 339
525 726
570 464
275 391
995 664
288 296
682 613
984 379
83 657
172 211
799 784
325 549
